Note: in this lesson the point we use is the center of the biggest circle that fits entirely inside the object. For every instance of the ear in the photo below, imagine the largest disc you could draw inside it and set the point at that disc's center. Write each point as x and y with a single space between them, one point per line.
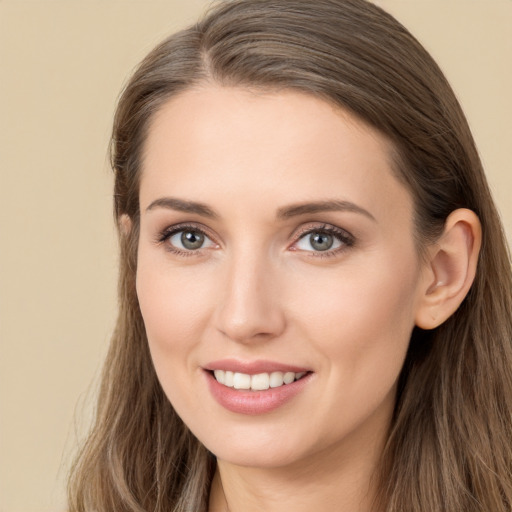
450 269
125 224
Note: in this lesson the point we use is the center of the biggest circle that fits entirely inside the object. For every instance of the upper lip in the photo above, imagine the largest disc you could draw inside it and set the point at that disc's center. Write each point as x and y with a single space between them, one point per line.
253 367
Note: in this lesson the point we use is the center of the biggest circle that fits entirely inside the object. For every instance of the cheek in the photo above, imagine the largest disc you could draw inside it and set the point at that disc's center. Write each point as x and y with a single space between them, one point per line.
361 328
172 317
361 320
172 303
176 306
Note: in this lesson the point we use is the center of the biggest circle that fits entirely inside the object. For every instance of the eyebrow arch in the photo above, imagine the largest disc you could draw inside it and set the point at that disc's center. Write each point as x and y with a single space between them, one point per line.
172 203
322 206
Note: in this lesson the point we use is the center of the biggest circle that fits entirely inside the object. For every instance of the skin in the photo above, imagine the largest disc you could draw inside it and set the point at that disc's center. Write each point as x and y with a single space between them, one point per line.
257 289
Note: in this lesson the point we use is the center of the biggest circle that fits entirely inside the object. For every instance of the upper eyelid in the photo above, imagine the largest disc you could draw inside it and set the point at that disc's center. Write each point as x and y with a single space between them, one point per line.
183 226
325 227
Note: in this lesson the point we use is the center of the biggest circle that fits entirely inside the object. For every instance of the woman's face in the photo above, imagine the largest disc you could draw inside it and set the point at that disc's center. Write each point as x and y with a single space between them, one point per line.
276 249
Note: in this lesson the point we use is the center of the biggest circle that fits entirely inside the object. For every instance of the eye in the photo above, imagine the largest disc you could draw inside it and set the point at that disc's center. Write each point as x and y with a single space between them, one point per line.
190 240
318 242
182 239
326 239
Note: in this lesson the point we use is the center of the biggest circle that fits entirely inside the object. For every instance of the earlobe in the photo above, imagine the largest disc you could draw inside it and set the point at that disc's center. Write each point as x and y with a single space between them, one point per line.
125 224
451 269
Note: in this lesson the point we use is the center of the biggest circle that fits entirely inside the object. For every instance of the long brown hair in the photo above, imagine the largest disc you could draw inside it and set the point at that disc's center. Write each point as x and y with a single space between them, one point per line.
450 444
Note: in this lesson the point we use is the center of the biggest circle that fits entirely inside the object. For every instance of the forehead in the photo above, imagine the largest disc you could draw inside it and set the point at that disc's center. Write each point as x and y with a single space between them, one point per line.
241 145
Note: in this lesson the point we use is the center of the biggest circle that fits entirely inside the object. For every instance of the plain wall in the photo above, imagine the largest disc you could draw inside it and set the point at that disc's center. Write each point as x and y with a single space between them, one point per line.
62 65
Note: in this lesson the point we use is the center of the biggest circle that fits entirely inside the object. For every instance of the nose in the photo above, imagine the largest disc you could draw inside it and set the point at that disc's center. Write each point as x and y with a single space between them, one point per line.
249 308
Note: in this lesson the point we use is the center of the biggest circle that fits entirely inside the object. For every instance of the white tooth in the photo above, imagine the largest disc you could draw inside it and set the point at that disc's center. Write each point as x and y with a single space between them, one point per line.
241 381
276 379
228 379
288 377
299 375
260 382
220 376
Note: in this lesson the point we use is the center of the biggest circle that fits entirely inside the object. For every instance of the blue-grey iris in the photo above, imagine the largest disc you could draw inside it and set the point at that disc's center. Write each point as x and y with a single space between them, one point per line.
192 240
321 241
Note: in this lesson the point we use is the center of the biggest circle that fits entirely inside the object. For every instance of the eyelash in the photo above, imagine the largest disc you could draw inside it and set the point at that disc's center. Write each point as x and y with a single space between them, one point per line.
344 237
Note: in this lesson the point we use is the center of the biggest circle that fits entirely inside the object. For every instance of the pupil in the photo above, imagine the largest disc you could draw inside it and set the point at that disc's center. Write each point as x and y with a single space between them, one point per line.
321 241
192 239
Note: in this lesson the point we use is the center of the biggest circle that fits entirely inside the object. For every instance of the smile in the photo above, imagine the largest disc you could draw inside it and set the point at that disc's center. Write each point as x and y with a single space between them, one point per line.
257 382
255 387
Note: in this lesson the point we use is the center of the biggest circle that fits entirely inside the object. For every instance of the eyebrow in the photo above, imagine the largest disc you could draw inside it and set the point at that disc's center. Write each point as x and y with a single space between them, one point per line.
322 206
172 203
286 212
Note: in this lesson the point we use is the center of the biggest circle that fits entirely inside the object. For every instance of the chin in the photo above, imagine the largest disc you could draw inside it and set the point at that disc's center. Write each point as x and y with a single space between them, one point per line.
256 457
257 448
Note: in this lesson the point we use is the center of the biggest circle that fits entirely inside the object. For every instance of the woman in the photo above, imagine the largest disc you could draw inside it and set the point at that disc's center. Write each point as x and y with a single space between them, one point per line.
315 291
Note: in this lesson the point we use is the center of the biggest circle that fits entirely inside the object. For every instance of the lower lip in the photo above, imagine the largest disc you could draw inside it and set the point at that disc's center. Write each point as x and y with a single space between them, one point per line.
254 402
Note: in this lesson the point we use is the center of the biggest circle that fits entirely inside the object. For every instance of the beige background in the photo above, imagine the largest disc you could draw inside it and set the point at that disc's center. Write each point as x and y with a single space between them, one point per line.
62 64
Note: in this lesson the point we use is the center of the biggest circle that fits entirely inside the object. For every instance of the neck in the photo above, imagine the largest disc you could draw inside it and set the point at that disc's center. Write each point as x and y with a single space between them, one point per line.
341 480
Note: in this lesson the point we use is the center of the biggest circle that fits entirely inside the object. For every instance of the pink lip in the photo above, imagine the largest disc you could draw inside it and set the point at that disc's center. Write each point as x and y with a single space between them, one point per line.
254 402
252 367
